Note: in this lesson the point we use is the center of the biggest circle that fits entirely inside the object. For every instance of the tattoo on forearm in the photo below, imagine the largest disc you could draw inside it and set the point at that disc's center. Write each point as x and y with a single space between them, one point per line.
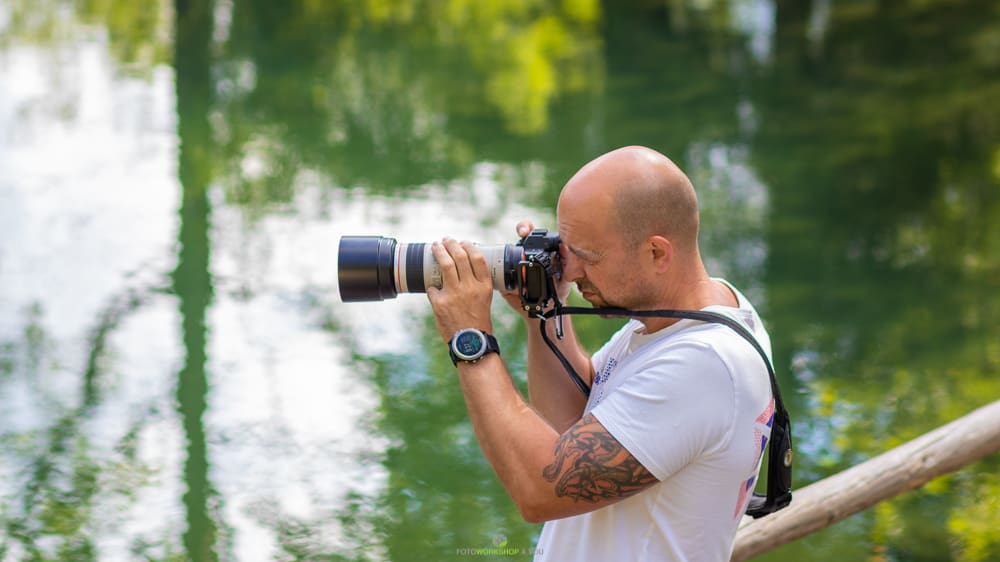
592 465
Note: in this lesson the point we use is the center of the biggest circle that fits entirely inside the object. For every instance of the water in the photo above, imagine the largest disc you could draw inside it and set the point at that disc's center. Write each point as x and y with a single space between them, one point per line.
178 379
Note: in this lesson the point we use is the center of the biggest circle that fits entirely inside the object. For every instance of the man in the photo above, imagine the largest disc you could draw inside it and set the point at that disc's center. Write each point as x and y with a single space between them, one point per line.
658 463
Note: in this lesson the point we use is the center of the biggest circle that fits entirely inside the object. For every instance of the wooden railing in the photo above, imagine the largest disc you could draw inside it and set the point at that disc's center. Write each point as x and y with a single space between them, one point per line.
908 466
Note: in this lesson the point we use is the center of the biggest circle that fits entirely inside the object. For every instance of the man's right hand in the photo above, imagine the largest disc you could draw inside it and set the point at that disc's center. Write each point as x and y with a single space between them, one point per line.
512 297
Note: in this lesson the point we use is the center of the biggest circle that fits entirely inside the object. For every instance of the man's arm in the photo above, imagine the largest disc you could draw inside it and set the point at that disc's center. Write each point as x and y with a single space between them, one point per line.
550 390
549 474
591 465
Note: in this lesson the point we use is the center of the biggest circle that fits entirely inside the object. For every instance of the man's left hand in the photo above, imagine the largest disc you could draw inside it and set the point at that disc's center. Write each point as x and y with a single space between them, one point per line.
463 301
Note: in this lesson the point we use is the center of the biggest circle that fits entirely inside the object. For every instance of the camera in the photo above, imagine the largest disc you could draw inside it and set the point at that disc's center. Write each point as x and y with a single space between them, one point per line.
375 268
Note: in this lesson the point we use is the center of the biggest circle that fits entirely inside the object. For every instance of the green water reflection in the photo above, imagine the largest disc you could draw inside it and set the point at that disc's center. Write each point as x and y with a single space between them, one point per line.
192 278
847 156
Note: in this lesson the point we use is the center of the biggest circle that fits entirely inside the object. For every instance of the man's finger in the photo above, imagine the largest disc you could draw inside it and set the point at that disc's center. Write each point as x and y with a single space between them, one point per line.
449 274
480 268
524 228
460 258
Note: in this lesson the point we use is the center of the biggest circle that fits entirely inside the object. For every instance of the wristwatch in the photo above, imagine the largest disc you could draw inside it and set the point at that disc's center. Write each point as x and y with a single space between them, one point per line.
470 345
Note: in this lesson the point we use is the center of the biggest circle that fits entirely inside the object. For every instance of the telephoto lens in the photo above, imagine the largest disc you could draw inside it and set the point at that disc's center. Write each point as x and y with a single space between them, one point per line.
376 268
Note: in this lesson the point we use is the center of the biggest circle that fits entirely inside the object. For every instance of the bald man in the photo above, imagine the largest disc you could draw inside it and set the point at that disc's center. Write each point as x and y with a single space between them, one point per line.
659 462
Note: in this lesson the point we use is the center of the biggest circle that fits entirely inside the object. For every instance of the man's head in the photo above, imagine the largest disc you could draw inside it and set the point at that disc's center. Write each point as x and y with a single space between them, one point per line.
629 222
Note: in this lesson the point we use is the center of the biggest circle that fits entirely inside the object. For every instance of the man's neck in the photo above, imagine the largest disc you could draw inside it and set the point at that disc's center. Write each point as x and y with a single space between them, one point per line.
693 294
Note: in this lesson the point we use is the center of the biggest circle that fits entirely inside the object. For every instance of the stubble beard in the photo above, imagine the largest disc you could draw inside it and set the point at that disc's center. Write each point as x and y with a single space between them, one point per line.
638 300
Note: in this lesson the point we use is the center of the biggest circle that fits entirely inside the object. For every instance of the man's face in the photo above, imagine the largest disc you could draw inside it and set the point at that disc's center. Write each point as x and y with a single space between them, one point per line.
595 257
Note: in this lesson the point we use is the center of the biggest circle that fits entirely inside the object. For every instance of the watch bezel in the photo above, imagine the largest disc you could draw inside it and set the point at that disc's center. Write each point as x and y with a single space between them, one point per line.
484 344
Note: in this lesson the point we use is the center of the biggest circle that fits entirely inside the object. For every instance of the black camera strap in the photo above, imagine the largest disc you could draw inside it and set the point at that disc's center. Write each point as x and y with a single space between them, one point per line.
779 458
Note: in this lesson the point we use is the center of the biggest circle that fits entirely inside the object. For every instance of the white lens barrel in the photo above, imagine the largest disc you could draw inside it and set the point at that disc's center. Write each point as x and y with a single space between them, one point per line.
416 269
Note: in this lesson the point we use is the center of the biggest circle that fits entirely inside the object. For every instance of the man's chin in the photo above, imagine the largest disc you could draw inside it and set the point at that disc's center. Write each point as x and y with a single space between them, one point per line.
598 302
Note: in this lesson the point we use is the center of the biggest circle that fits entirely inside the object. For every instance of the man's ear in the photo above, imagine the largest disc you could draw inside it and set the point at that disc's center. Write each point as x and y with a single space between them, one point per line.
660 252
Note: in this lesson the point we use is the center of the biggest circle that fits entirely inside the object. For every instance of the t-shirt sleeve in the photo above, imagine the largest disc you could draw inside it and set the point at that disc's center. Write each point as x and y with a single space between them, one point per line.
675 407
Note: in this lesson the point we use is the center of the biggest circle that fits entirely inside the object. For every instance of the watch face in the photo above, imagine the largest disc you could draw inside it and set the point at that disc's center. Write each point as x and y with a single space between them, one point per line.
469 344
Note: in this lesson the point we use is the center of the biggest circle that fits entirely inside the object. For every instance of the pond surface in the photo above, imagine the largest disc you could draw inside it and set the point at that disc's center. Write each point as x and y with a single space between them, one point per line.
179 380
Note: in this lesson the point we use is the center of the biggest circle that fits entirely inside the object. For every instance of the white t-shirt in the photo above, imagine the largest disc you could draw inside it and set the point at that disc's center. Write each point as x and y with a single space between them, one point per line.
691 402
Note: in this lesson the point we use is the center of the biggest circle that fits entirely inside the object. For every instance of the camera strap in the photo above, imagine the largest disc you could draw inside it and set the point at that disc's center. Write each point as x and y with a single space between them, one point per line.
779 457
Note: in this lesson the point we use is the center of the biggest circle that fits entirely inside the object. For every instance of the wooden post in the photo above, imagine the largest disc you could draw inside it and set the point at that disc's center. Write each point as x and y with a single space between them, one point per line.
908 466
